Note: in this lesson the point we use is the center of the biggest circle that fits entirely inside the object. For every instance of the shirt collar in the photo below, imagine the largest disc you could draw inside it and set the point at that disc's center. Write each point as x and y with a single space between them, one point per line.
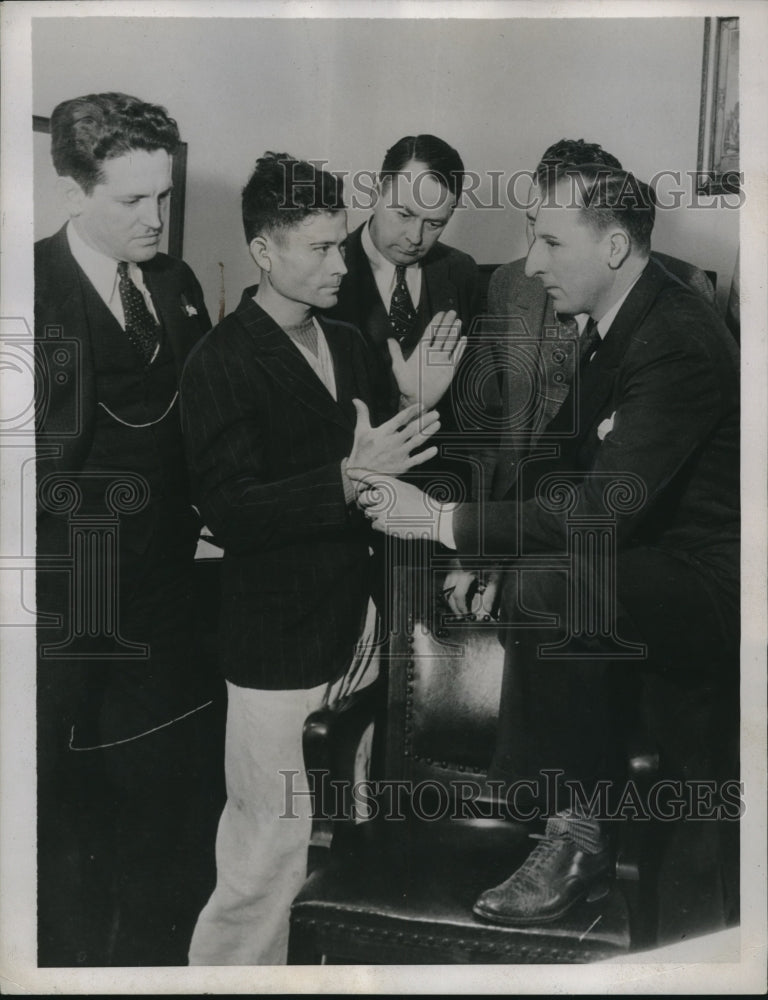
606 320
100 270
604 323
380 266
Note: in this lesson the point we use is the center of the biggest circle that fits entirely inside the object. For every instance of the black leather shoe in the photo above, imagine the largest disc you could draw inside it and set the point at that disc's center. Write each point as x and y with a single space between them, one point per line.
554 876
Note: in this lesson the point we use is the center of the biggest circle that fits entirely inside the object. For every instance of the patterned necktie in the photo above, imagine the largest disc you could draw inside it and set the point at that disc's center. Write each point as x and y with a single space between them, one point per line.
588 343
402 315
140 325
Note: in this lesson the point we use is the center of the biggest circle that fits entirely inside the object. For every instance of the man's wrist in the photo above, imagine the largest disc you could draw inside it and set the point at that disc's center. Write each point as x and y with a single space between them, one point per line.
350 493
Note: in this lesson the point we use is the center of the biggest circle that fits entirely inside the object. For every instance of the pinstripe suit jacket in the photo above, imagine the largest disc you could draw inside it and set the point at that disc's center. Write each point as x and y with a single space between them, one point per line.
265 440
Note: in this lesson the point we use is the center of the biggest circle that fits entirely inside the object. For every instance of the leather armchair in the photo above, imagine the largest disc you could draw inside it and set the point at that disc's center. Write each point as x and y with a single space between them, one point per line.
399 883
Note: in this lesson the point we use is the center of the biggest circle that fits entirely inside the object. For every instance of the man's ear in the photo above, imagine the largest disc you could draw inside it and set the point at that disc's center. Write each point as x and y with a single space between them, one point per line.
619 246
259 248
71 194
377 191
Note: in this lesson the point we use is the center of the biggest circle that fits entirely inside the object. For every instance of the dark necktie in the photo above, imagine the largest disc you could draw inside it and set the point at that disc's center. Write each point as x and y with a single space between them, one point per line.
588 343
140 325
402 315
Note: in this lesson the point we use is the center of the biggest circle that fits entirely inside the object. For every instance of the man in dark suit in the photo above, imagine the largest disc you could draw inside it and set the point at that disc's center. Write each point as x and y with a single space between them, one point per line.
522 318
118 692
277 400
645 450
399 273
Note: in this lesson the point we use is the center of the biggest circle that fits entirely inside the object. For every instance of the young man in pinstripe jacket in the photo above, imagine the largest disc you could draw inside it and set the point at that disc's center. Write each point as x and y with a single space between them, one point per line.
277 401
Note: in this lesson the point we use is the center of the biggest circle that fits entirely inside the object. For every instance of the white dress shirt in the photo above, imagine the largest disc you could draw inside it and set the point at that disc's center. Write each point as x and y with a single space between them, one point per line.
101 271
384 272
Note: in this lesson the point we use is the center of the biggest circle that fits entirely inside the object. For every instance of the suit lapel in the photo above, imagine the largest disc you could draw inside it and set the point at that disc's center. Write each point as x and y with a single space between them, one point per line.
369 309
182 331
599 377
287 365
438 289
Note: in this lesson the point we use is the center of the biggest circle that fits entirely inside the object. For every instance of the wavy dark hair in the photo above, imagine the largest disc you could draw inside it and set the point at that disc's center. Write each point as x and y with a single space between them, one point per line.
441 160
282 191
575 152
606 197
86 131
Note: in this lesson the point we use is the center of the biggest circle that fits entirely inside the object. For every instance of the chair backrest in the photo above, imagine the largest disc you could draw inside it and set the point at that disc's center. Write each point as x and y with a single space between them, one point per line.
444 684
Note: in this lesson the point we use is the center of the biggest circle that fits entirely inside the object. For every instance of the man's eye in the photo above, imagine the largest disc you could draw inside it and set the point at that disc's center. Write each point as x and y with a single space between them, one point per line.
435 225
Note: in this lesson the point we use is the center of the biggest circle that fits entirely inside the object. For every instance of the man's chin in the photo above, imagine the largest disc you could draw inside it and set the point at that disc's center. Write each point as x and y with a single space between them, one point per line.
326 301
141 252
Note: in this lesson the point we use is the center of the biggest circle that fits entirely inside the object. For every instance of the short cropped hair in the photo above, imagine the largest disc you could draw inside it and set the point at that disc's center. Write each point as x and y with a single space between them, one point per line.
86 131
608 197
575 152
441 160
282 191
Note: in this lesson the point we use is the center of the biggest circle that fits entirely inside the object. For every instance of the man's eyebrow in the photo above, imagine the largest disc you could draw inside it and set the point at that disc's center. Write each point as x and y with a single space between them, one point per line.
145 194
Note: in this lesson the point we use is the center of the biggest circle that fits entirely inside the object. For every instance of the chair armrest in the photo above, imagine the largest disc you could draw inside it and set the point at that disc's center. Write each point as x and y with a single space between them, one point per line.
331 739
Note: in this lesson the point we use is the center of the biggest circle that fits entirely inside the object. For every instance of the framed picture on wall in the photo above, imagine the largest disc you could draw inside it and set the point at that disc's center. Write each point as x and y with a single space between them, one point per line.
718 160
50 216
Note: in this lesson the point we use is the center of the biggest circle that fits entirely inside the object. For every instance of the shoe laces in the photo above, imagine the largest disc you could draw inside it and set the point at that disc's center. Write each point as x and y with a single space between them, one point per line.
547 847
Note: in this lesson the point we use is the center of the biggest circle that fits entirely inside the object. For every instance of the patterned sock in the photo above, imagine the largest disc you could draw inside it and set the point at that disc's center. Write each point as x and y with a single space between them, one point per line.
580 830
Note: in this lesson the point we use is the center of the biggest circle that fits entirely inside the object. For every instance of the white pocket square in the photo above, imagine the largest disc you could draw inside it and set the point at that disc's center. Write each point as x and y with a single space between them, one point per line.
606 426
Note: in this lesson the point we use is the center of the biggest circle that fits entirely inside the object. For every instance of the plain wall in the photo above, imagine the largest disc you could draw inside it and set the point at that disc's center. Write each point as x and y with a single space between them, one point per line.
344 90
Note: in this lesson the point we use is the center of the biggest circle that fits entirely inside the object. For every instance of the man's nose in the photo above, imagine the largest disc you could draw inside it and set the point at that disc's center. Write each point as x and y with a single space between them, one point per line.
338 264
533 262
415 232
152 214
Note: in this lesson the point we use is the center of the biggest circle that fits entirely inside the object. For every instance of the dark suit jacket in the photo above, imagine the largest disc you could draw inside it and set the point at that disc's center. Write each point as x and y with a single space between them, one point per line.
535 353
449 281
66 391
265 441
667 378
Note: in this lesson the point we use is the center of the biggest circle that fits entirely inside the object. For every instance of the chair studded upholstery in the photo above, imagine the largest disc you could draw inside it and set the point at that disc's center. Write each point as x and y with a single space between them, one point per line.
399 887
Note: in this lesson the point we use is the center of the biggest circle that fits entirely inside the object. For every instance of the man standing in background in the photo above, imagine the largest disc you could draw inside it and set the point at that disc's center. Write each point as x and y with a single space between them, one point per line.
400 274
120 731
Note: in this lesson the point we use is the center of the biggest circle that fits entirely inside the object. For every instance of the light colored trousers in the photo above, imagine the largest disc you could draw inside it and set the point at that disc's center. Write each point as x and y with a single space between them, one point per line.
264 831
263 835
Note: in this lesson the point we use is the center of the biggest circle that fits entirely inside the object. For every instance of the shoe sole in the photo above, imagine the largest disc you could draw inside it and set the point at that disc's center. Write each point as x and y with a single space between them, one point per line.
590 896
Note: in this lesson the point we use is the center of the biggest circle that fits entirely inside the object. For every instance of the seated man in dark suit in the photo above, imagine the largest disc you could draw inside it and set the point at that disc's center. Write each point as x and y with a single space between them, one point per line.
122 730
401 279
523 399
277 400
645 449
